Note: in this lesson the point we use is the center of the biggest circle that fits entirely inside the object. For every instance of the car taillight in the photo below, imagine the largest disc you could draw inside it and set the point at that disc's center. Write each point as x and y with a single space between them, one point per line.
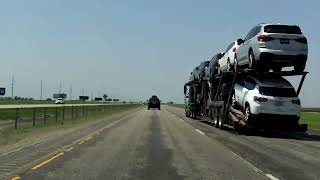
302 40
264 38
296 101
259 99
234 49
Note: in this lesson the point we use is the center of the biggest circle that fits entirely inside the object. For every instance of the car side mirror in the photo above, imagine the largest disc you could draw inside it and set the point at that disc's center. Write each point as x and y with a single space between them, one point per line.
240 41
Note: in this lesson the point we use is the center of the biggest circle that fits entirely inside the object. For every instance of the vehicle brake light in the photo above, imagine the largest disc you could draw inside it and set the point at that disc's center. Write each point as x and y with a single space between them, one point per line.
296 101
302 40
234 49
264 38
259 99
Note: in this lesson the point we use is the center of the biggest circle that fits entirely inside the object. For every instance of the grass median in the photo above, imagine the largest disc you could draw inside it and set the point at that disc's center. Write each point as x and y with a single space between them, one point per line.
312 119
28 132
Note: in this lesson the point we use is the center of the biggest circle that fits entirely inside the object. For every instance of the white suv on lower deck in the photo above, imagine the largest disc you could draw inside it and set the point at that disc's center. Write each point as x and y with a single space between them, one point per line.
267 100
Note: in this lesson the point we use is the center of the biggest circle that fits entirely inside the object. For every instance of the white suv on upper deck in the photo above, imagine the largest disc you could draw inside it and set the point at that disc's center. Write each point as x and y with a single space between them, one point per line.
273 46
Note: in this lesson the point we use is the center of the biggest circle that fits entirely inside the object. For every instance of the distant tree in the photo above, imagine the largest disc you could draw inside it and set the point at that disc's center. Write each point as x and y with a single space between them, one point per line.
124 102
49 99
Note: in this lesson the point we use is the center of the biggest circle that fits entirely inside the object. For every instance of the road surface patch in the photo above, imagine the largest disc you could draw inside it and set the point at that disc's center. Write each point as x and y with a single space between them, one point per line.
47 161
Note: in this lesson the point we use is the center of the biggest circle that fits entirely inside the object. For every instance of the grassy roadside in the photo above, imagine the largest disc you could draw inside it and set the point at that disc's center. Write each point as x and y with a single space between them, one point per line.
310 118
182 106
28 133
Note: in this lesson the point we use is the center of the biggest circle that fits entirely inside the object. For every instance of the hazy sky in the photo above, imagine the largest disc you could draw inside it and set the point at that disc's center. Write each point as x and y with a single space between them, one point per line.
133 49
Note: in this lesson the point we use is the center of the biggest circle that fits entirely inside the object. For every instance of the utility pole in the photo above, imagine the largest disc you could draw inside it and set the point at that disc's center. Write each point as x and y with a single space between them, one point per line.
60 88
12 86
70 92
91 95
82 91
41 90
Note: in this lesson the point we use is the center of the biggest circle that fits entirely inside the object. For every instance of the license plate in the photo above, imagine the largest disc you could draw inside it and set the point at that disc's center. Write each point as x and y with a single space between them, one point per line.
278 103
284 41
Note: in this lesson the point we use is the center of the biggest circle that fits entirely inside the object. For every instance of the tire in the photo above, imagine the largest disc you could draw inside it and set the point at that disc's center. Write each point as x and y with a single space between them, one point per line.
220 123
299 68
158 108
216 119
252 61
235 65
233 100
247 113
229 68
218 70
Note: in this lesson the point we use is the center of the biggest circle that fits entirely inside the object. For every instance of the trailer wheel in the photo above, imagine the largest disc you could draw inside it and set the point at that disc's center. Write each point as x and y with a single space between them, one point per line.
247 112
220 119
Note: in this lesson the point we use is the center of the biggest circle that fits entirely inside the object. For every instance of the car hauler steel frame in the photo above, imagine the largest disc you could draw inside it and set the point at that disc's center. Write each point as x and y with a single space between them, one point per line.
210 104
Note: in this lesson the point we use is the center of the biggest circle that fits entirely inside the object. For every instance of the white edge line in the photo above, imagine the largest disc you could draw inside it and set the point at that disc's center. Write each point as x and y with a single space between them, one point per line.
39 142
271 177
200 132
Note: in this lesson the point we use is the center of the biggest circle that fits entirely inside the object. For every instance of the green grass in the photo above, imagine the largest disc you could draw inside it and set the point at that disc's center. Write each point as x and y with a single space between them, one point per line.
182 106
311 118
11 135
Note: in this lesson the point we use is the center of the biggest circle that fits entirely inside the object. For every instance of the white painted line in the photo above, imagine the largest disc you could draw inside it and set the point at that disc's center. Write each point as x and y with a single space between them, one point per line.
271 177
39 142
200 132
181 119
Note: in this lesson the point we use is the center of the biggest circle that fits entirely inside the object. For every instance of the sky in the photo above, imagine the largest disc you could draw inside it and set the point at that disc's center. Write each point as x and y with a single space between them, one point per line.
134 49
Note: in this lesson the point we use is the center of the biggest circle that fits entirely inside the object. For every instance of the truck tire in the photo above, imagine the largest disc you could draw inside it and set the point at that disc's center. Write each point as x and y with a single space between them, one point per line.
220 121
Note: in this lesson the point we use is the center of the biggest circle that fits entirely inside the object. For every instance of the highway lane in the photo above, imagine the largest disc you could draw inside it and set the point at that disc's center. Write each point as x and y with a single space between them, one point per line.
167 145
149 145
284 155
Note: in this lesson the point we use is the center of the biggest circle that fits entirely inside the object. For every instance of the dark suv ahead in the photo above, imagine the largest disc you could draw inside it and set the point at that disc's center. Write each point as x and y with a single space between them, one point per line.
154 102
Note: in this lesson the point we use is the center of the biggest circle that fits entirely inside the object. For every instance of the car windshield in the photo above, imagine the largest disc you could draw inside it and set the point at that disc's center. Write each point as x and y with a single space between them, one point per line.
277 91
282 29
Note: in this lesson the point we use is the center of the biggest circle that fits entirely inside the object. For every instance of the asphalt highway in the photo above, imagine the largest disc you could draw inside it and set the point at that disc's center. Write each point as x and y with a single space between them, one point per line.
153 144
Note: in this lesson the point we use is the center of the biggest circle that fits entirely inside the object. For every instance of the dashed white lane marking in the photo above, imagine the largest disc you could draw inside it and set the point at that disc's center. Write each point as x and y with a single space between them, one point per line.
180 119
200 132
271 177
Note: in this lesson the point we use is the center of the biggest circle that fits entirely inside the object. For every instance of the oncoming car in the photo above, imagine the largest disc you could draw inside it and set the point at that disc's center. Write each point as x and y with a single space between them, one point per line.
267 101
60 101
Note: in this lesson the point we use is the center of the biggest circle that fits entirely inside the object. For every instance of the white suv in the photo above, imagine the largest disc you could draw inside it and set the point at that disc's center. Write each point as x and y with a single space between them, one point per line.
273 46
226 63
267 99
